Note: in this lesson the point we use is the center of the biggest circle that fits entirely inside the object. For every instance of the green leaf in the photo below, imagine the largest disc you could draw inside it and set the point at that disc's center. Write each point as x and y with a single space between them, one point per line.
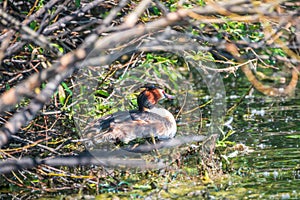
102 93
32 25
293 136
60 49
156 11
77 3
67 89
61 95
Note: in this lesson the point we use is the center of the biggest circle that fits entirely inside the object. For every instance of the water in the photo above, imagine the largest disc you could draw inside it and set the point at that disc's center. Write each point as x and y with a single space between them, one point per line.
271 128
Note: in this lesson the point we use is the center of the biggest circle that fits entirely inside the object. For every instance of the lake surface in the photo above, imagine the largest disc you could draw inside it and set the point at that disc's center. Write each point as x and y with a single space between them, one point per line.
271 128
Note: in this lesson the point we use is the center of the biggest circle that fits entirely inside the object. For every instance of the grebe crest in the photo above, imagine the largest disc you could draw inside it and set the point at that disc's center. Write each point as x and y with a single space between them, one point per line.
148 98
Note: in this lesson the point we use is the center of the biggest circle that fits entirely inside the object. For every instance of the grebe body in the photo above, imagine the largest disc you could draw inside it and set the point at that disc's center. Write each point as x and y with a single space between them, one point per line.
150 120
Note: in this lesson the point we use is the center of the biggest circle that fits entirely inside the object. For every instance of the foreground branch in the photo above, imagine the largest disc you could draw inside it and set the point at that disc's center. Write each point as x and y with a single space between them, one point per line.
84 159
100 157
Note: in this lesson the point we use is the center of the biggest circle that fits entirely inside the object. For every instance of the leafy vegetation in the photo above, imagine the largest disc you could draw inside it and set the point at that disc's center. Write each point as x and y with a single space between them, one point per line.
230 41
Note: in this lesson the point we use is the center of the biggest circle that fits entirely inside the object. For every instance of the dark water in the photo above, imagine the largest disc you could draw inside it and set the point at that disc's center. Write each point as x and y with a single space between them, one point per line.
271 128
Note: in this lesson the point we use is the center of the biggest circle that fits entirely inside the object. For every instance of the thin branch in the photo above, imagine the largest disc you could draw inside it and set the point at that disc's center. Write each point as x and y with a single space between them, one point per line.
84 159
62 22
40 40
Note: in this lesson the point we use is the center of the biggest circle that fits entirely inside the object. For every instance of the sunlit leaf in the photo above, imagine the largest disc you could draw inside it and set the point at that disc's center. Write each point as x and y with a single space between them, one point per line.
61 95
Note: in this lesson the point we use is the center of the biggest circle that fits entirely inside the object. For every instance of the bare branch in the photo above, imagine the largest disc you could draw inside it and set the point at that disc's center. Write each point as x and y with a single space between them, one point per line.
32 35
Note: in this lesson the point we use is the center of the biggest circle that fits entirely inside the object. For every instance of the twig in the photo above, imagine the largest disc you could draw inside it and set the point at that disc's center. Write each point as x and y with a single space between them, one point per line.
23 140
112 14
86 158
32 35
132 18
175 142
68 18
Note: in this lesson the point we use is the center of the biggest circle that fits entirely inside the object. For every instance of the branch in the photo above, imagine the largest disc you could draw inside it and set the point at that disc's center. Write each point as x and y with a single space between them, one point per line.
40 40
178 141
66 19
104 158
100 158
65 67
95 48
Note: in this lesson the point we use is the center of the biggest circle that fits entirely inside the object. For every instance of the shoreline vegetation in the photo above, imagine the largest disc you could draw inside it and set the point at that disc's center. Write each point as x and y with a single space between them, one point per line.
65 63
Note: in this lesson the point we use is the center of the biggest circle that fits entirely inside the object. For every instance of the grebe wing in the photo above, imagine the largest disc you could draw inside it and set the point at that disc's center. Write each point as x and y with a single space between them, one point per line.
126 126
104 123
138 128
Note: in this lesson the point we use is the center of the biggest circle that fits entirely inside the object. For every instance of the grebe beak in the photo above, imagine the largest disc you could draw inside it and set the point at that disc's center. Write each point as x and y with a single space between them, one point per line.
168 96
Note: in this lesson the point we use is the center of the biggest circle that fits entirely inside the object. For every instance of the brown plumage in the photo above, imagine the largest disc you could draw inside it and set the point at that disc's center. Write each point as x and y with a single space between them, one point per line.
148 121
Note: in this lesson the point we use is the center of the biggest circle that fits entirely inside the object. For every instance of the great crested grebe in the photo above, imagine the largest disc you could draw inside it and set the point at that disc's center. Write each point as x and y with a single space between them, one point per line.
148 121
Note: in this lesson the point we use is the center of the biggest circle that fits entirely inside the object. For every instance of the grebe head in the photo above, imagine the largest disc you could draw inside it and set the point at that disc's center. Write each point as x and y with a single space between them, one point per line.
149 97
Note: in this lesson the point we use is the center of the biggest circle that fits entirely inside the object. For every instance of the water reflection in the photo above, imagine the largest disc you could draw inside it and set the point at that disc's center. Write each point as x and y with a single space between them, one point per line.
272 171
